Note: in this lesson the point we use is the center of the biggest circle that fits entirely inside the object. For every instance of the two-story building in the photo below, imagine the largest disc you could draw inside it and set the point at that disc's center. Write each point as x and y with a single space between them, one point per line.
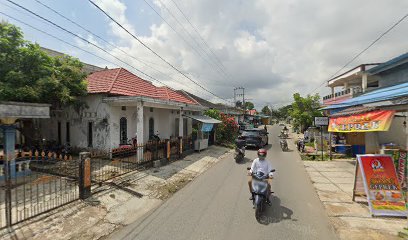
373 117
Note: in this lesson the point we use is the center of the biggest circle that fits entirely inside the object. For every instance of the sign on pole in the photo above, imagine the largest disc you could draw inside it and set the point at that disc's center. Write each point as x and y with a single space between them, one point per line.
321 121
381 185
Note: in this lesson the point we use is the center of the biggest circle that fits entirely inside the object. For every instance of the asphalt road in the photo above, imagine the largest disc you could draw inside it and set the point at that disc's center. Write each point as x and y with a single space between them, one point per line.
216 205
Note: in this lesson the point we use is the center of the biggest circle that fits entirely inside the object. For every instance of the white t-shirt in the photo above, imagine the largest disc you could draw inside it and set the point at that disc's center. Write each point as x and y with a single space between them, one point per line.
261 165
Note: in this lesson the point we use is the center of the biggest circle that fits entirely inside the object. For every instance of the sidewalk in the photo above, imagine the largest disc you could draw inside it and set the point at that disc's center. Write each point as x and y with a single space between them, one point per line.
334 181
119 202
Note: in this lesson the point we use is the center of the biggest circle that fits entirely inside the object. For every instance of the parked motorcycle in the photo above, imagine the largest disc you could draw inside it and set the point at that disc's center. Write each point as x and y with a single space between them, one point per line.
301 145
284 145
259 191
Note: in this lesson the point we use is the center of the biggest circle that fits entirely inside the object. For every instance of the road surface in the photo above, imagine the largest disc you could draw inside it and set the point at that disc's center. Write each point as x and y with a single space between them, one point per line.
216 206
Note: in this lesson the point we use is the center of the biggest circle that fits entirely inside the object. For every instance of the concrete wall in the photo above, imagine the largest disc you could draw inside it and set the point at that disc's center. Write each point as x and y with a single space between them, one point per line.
106 124
98 113
394 76
164 122
396 134
372 142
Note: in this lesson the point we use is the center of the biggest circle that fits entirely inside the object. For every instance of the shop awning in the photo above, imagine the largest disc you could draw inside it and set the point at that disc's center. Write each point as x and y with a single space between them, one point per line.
203 119
378 120
379 95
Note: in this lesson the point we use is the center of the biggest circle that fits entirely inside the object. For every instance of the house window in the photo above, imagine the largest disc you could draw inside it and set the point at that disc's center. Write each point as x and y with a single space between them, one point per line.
123 131
123 108
67 135
59 133
90 134
151 109
151 127
176 126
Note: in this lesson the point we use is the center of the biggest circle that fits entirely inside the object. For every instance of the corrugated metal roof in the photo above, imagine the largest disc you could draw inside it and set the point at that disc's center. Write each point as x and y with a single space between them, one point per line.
400 90
203 119
389 64
352 110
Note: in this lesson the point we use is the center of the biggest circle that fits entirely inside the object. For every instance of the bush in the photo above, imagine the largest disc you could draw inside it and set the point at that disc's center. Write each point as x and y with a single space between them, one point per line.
227 131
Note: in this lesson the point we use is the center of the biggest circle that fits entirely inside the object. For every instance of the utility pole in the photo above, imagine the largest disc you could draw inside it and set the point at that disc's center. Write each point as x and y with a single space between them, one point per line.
238 92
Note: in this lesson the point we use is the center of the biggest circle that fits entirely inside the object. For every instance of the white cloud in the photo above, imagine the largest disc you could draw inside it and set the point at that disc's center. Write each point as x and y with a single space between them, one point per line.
273 48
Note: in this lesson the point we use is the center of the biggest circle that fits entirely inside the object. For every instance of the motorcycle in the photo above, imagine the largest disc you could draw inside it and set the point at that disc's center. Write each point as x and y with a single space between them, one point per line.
283 145
239 149
239 154
284 134
301 145
259 191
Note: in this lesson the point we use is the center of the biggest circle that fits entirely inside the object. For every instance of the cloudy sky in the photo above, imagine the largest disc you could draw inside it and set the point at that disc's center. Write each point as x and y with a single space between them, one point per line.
272 48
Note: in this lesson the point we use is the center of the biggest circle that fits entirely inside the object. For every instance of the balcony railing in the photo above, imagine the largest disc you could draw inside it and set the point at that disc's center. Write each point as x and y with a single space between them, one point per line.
352 92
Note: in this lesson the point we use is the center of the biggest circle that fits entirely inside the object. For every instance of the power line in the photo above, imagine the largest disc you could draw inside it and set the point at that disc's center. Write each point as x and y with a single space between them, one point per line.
107 42
85 40
191 37
141 42
365 49
55 37
198 33
178 33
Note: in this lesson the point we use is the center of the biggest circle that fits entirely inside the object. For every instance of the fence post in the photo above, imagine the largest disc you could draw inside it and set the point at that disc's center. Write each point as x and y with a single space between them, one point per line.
168 148
84 175
181 147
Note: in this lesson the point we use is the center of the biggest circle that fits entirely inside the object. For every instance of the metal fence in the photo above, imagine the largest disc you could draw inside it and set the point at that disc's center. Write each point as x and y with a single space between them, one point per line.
39 181
36 184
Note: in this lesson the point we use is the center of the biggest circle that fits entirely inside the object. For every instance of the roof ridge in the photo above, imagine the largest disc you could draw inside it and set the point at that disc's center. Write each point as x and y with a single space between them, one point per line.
167 93
114 80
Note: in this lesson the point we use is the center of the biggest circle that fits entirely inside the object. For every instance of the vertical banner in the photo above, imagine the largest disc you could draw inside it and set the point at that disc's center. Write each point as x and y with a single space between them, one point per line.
381 185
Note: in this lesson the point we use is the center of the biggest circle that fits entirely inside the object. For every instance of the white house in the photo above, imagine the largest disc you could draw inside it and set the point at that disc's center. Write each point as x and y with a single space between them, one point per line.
121 106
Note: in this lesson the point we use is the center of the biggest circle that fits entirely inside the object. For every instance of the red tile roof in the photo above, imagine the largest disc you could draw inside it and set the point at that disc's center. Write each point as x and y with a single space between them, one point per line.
120 81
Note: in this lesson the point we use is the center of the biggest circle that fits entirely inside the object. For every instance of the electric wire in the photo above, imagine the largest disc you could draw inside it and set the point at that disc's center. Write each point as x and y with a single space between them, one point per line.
151 50
198 33
364 50
191 37
110 44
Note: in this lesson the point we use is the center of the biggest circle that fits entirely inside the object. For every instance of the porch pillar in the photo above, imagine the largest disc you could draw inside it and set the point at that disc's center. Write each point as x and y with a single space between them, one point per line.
332 92
181 127
9 135
364 82
139 130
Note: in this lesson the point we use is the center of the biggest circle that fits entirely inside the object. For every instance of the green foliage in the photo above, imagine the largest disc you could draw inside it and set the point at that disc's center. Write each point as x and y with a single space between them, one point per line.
304 110
249 105
282 113
266 110
213 113
28 74
226 131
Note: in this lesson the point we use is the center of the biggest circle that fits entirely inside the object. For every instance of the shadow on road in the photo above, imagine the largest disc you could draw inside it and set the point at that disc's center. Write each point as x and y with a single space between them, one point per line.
244 161
275 213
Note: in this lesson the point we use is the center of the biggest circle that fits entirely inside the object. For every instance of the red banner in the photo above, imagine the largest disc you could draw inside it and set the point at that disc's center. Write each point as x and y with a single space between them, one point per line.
381 184
379 120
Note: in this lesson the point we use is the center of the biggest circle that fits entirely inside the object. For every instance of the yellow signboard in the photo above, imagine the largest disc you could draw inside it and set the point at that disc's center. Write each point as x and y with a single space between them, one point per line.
379 120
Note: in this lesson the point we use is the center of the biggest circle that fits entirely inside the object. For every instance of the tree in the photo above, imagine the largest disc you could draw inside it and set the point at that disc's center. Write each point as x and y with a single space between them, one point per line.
304 110
266 110
238 104
226 131
249 105
28 74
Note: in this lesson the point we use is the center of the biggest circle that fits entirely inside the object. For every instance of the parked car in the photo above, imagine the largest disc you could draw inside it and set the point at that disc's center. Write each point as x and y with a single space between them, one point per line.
255 138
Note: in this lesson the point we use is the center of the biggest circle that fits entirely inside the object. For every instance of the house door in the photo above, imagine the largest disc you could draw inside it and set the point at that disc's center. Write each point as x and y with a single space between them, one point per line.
123 131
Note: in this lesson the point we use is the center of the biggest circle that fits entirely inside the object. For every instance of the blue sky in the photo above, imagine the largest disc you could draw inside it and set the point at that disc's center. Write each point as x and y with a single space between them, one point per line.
273 48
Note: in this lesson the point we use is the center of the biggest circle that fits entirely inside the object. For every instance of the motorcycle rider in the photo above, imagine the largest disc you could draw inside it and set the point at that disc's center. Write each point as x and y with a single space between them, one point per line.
264 166
240 144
